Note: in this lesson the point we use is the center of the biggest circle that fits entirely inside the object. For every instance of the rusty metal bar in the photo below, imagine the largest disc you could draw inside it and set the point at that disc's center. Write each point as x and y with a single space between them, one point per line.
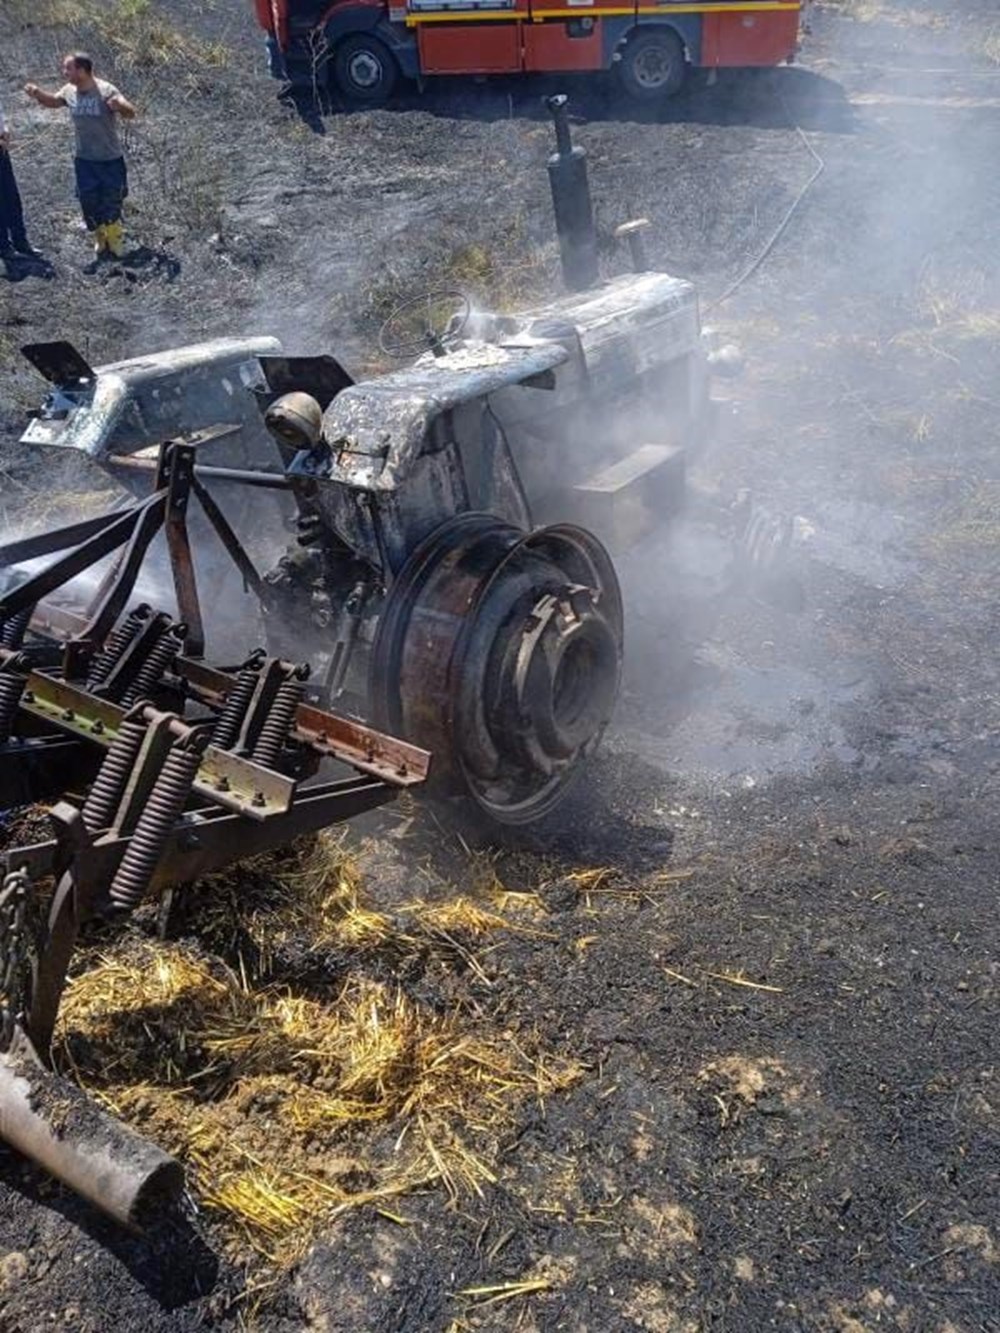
228 538
363 747
268 481
59 539
75 561
204 840
334 736
177 470
117 587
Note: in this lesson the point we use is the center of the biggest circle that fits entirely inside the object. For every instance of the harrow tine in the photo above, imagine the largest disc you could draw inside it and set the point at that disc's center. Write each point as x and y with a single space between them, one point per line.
108 786
162 654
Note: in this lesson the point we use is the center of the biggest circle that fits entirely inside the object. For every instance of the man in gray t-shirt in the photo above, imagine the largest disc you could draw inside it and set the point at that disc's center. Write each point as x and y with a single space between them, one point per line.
101 176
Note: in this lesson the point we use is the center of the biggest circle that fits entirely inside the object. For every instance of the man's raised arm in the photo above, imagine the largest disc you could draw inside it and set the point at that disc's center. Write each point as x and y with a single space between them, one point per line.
39 95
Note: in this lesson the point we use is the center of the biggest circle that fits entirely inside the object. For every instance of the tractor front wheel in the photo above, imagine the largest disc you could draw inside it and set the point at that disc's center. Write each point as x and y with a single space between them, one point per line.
364 70
652 65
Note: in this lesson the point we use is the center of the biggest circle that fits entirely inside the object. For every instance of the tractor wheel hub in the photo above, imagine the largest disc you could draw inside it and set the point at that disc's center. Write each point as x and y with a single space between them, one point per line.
563 679
500 651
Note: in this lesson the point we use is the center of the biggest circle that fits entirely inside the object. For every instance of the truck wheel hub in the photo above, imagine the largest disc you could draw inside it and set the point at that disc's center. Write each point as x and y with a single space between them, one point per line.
652 68
365 69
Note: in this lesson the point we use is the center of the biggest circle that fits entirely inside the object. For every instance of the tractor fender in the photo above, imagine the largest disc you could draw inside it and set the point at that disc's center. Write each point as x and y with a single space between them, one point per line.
348 19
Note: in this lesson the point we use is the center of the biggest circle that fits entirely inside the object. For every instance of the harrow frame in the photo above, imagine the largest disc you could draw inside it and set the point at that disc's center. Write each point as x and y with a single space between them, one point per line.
179 769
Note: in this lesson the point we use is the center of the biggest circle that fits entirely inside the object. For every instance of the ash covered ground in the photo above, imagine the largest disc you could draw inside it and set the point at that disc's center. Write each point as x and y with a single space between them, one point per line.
765 932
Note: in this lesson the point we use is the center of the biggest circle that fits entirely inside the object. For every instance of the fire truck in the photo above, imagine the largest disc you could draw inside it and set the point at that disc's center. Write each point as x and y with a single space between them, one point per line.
365 47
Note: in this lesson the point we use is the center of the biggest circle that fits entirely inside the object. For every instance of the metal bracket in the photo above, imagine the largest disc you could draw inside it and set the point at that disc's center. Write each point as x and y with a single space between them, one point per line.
233 782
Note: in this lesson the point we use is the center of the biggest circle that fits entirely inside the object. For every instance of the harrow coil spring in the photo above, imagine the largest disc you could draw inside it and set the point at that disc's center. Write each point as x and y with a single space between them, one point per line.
162 653
281 715
106 790
117 641
166 801
13 630
227 728
12 682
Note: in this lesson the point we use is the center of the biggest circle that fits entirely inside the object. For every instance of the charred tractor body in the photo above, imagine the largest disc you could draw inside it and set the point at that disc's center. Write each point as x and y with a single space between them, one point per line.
365 47
445 586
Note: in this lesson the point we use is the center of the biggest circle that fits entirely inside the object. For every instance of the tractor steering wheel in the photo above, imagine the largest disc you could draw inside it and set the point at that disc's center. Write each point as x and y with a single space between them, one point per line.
425 323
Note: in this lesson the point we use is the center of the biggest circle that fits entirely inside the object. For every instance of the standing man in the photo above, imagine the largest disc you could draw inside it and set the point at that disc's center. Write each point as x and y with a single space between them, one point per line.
13 237
101 176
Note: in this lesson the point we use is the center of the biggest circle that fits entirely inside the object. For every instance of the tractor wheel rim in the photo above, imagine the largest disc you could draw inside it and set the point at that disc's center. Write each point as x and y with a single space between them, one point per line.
365 69
652 67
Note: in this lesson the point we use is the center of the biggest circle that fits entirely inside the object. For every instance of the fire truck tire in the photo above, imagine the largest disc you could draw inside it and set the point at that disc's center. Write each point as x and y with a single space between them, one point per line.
364 70
652 65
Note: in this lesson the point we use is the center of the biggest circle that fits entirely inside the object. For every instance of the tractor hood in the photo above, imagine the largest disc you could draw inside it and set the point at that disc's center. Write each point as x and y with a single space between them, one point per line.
374 431
128 405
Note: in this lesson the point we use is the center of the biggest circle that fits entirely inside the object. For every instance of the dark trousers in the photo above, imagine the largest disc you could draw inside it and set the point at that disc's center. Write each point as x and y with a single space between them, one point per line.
102 188
11 212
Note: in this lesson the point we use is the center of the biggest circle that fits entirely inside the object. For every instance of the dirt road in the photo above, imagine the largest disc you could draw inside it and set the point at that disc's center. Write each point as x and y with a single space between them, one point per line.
782 988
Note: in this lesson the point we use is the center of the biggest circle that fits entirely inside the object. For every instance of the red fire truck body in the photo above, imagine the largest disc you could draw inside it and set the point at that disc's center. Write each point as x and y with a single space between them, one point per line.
370 43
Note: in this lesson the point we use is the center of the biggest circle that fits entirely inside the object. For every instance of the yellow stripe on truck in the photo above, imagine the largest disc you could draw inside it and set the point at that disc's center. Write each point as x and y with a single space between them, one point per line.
586 11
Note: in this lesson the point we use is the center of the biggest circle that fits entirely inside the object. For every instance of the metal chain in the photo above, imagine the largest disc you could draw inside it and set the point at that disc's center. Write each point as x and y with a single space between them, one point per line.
16 950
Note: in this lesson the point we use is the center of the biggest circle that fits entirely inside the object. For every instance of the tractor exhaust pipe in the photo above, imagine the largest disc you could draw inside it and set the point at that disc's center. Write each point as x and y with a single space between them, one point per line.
57 1126
571 203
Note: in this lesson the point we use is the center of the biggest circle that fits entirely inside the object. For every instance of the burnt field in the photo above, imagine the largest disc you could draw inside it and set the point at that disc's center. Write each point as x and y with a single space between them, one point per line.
718 1049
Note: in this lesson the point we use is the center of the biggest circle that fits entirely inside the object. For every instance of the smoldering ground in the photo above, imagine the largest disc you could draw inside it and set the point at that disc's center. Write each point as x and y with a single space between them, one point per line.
765 930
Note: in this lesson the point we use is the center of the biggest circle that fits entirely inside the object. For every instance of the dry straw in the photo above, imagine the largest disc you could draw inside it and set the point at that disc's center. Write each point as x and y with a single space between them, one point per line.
291 1107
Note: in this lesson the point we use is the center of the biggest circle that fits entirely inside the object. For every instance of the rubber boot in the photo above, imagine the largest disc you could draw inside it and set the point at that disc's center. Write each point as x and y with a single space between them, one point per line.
114 238
100 250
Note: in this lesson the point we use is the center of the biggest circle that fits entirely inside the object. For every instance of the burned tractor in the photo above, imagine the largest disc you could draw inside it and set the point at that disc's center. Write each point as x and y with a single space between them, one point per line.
446 587
449 579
